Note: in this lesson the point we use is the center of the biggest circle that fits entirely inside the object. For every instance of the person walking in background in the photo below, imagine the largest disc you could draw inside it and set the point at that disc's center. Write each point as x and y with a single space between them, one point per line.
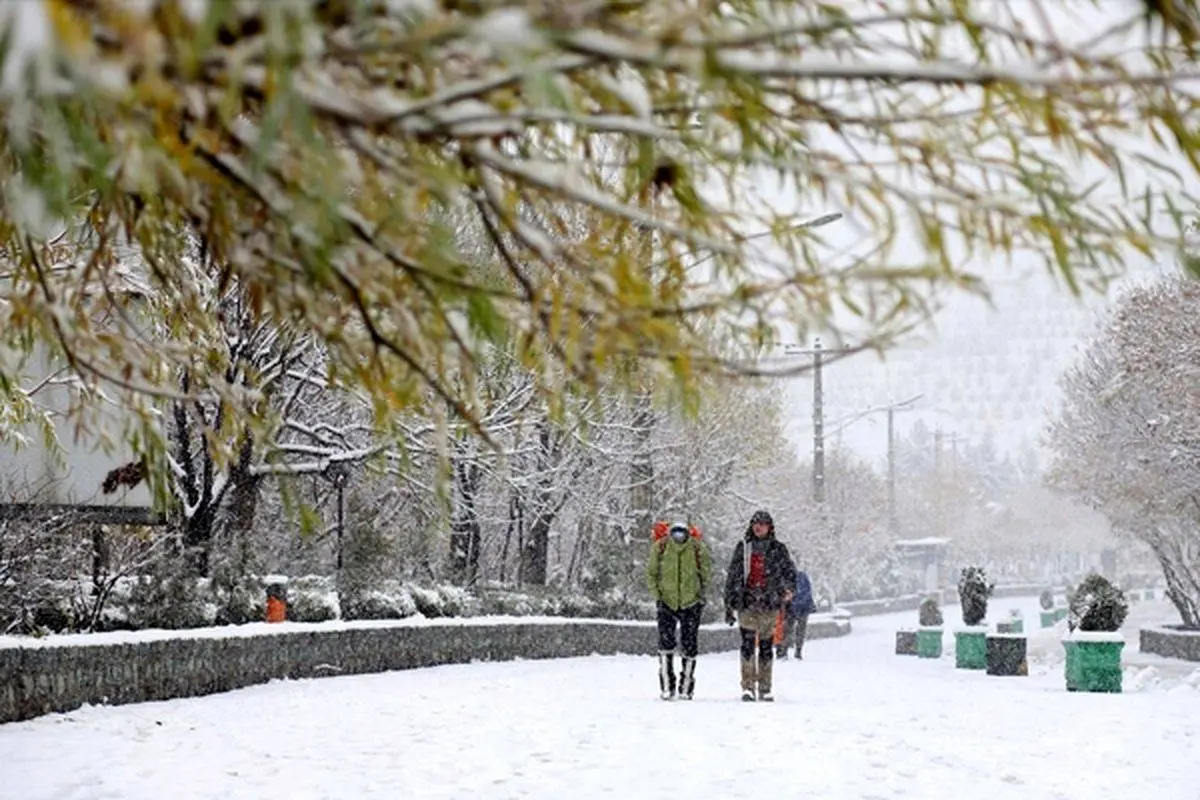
760 582
678 572
791 626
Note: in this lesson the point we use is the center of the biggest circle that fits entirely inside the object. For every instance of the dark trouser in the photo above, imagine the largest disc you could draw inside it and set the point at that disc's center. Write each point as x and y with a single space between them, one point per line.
688 620
795 629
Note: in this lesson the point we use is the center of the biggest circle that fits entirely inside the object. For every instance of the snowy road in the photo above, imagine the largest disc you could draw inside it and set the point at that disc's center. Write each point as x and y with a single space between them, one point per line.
851 721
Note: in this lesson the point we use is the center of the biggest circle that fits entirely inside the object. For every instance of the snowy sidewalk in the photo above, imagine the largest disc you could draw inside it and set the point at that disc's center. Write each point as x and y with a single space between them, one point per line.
851 721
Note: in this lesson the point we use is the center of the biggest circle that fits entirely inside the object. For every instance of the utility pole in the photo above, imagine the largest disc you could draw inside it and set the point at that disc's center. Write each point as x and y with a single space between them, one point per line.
893 523
818 354
892 408
818 427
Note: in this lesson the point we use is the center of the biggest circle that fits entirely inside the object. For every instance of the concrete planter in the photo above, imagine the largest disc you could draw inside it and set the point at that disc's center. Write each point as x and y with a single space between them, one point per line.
1093 661
1006 654
970 647
906 643
1171 641
929 642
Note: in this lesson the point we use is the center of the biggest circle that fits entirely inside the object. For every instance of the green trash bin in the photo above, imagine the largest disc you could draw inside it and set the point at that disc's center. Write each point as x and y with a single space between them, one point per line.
1048 618
929 642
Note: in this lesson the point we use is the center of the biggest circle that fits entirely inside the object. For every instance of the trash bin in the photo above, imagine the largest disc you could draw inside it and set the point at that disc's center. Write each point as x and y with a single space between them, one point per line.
276 602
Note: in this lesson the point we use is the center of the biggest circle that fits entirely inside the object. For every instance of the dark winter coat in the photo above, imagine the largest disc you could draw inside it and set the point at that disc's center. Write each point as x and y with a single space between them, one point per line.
802 600
780 575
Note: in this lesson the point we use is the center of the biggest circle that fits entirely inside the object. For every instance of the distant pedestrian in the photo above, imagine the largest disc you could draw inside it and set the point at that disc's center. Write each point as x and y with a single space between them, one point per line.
791 626
760 582
678 572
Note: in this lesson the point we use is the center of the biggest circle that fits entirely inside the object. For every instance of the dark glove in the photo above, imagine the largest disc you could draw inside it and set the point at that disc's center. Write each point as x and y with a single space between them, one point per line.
730 617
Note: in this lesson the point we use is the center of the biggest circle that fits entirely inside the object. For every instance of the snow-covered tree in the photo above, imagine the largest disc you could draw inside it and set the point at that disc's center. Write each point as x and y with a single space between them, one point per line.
1126 440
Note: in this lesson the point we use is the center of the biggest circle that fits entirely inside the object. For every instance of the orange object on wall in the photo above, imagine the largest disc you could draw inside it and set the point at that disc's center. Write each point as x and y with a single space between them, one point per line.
276 609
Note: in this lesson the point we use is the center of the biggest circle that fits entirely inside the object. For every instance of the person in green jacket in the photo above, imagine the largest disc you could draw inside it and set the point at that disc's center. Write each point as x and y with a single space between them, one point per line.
678 571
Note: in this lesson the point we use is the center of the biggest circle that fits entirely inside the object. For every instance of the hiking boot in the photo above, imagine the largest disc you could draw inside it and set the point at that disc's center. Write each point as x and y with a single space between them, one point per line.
766 697
749 675
748 697
764 679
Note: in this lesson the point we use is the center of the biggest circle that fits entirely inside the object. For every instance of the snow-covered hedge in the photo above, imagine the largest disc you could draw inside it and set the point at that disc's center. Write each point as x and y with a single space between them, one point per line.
136 603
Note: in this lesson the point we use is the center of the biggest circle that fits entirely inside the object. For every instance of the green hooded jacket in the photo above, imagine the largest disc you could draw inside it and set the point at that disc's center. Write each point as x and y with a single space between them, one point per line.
679 574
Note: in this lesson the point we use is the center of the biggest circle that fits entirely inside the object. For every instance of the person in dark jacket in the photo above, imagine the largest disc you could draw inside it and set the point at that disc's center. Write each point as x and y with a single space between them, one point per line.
760 582
792 625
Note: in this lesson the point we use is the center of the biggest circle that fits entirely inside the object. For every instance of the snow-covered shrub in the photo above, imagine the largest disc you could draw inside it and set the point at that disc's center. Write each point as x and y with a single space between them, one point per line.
973 593
239 600
457 601
510 604
929 614
616 604
428 601
1098 605
117 614
172 601
312 598
1046 599
52 614
392 600
577 605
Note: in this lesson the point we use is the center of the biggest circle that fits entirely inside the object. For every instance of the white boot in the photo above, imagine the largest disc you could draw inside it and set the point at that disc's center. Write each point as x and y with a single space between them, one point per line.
666 674
687 678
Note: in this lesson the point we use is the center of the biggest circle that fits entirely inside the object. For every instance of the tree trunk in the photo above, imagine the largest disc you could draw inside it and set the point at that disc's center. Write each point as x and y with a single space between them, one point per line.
100 557
1183 582
535 554
243 505
535 550
465 533
641 479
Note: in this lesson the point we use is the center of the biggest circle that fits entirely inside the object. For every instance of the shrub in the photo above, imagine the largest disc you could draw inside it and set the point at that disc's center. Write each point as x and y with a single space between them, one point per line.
390 600
1046 599
930 613
428 601
973 593
1098 605
173 601
312 598
239 599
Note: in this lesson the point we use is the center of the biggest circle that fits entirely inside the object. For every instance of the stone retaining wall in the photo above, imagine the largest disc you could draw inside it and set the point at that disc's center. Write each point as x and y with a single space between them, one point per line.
50 676
1171 641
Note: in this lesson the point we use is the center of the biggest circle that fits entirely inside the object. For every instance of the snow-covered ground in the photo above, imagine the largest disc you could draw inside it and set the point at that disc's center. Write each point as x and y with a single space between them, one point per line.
851 721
